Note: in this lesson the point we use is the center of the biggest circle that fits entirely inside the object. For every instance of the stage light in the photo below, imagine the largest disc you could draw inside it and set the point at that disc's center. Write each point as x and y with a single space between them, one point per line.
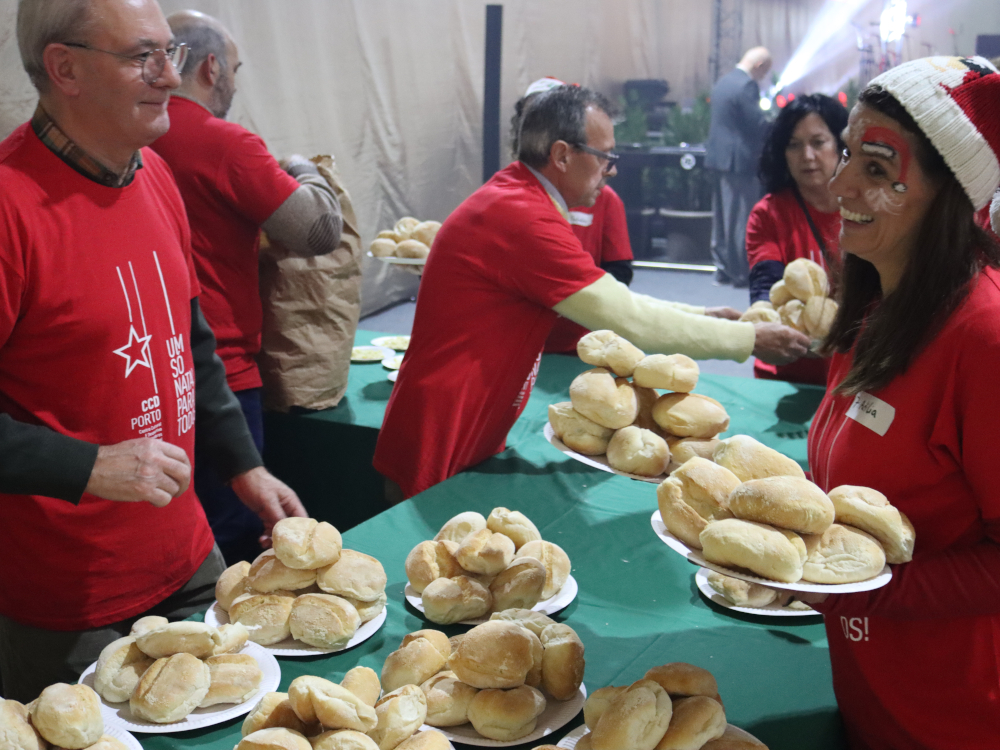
842 97
791 97
781 101
892 23
765 103
833 19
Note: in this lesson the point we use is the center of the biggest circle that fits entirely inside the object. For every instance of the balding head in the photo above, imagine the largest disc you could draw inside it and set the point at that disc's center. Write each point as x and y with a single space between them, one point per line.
210 71
756 63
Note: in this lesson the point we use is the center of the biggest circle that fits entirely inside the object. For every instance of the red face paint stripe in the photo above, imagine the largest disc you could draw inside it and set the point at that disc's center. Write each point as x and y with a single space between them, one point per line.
884 136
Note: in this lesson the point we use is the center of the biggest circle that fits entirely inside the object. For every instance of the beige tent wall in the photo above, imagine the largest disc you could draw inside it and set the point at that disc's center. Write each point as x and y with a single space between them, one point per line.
393 88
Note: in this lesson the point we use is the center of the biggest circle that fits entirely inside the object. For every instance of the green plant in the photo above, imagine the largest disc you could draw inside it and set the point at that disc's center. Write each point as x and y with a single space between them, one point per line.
633 125
689 126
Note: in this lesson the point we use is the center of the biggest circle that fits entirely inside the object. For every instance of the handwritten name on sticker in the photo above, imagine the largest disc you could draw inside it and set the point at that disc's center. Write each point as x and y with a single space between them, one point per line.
872 412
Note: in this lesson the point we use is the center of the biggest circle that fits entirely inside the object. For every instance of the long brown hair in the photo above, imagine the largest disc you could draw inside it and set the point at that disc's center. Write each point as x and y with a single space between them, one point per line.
888 333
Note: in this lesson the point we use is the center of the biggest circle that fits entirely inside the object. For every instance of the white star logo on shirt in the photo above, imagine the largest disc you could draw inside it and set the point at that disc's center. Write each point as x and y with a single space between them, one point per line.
136 343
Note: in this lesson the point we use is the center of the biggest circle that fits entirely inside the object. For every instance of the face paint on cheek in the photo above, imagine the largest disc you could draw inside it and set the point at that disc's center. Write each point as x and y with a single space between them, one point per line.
888 144
884 200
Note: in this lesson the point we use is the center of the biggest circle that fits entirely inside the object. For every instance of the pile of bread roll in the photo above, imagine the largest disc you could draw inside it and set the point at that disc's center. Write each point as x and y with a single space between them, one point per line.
166 670
317 714
639 430
63 716
410 238
307 587
475 565
752 508
800 300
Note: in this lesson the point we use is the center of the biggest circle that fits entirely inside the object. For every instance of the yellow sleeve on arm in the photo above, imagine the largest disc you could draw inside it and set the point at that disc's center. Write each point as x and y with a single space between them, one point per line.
656 326
693 309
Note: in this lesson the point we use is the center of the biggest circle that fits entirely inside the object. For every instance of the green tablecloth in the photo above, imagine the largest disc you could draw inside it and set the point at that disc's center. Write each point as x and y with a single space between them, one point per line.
637 606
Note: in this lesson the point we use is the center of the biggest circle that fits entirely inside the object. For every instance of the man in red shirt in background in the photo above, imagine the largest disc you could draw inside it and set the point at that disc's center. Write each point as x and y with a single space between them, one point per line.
232 187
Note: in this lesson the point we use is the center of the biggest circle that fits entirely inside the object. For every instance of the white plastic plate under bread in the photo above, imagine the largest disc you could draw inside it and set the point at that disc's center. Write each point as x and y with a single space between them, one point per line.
569 741
393 363
771 610
695 556
399 343
558 601
217 616
556 715
126 738
598 462
119 714
391 377
367 353
392 260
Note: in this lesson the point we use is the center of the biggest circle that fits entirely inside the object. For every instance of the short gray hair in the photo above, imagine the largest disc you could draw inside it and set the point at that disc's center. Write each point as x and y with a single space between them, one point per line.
559 114
44 22
202 40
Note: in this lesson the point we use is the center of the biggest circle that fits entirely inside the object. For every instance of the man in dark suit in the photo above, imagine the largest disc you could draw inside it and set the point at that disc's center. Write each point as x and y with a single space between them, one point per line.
735 139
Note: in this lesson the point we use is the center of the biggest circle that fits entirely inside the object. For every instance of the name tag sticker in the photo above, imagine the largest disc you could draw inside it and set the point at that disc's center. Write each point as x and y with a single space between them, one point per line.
580 219
873 413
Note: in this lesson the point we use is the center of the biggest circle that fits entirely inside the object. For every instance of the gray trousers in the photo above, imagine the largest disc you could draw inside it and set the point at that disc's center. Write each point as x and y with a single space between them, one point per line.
733 199
32 658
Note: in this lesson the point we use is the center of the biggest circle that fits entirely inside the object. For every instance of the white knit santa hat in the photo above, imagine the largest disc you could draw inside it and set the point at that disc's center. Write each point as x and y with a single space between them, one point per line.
543 84
956 103
995 213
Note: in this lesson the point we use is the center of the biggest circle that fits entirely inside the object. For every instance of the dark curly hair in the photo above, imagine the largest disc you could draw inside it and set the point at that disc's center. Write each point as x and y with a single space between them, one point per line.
773 171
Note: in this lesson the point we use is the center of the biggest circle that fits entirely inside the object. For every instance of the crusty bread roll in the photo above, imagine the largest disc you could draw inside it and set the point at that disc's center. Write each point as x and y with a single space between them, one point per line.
305 543
268 574
638 451
741 593
556 562
805 278
405 226
519 585
534 676
195 638
335 707
792 503
534 621
368 610
68 716
421 655
597 703
274 738
608 349
431 560
514 525
695 721
734 738
496 654
389 234
400 713
779 294
265 616
690 415
342 739
842 555
16 731
682 680
577 432
150 622
355 575
119 668
683 450
230 638
272 710
506 715
426 740
485 552
323 620
383 247
448 699
457 528
562 661
234 678
425 232
364 683
598 396
451 600
870 511
791 314
412 249
636 718
170 689
668 372
693 495
107 742
818 315
232 583
764 550
750 459
760 315
646 398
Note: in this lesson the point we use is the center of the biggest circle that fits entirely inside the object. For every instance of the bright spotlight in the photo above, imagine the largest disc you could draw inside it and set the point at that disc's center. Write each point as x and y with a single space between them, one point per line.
892 23
833 17
765 103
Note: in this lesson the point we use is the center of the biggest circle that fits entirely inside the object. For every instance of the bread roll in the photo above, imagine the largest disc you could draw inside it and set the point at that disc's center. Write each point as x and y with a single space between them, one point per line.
425 232
842 555
683 450
119 668
690 415
195 638
608 349
459 527
426 740
170 689
275 738
638 451
534 621
792 503
269 574
694 495
764 550
107 742
695 721
431 560
496 654
412 249
448 699
741 593
637 718
368 610
16 732
750 459
150 622
335 707
519 585
556 562
760 315
682 680
514 525
230 638
355 575
818 315
405 226
342 739
870 511
305 543
265 616
668 372
68 716
534 676
600 398
779 294
562 661
420 656
383 247
389 234
234 678
272 710
232 583
485 552
323 620
506 715
597 703
400 713
791 314
451 600
364 683
805 278
734 738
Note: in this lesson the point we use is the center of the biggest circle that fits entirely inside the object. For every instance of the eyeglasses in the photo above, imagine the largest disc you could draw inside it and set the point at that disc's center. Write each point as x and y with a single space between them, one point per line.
611 158
153 62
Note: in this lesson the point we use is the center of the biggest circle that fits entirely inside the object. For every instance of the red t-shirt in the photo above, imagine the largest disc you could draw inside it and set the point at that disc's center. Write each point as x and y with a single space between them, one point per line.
603 231
916 664
95 322
231 185
501 261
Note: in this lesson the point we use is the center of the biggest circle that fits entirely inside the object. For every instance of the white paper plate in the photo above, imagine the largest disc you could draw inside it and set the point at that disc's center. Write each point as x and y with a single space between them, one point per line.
382 351
391 377
217 616
771 610
598 462
399 343
556 715
697 558
126 738
559 601
119 714
392 260
393 363
569 741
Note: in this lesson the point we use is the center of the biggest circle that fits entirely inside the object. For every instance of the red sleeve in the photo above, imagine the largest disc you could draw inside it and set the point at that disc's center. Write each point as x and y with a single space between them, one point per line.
615 243
763 237
251 180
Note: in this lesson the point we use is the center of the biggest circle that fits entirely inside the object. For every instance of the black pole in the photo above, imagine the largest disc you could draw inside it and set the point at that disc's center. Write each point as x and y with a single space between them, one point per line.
491 91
